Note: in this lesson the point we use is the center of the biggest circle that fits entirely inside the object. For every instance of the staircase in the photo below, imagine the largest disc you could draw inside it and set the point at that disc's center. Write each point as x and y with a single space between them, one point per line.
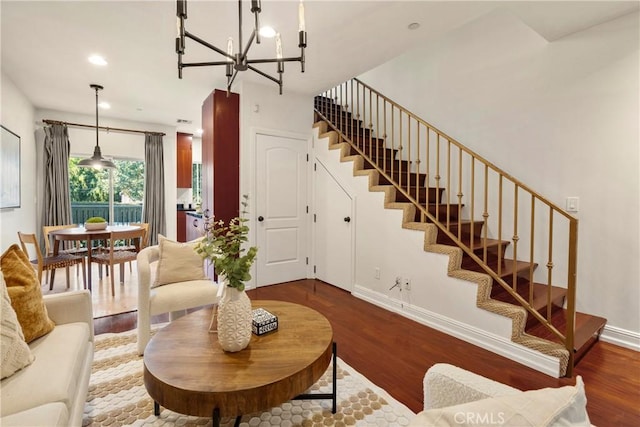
495 230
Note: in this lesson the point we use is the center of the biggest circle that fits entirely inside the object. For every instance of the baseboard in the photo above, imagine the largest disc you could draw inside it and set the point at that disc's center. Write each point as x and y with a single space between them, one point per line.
491 342
621 337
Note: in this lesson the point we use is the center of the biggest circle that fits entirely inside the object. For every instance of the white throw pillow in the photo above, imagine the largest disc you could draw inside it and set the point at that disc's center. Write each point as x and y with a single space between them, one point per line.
16 354
563 406
178 262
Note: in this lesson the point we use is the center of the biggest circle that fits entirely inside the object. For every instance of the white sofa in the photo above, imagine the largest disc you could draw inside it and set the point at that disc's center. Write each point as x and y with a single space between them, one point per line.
52 390
456 397
173 298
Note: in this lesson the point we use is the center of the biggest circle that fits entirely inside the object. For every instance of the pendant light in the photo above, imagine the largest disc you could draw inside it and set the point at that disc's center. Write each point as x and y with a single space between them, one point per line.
96 161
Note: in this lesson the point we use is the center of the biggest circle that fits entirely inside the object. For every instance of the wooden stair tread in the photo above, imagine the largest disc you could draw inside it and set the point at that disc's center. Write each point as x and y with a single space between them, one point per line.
382 153
466 227
421 193
479 244
507 270
385 164
492 245
588 328
539 302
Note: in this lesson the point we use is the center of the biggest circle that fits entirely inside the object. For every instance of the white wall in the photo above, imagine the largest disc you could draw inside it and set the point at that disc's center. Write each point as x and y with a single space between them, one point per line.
17 115
562 117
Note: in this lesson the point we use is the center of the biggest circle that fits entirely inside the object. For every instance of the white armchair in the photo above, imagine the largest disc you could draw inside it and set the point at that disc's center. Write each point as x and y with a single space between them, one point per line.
456 397
173 298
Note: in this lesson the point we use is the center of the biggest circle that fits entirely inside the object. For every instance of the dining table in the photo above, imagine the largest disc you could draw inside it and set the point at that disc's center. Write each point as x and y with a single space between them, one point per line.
88 236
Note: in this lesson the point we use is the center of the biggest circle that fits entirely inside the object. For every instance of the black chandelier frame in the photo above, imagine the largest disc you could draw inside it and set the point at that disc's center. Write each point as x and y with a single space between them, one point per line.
238 61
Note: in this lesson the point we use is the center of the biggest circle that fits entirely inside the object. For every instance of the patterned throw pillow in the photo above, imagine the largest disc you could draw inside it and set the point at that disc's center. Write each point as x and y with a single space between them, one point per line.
178 262
26 297
15 351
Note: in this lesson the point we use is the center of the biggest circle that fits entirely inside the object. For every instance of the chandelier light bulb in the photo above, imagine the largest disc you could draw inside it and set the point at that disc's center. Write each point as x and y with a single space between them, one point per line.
301 26
230 48
278 46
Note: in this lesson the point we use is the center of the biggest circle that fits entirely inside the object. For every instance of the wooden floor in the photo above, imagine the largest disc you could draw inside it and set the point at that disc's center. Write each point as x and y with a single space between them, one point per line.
395 352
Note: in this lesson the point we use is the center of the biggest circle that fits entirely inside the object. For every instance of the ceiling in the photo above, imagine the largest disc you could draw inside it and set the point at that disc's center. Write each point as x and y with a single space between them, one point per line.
45 45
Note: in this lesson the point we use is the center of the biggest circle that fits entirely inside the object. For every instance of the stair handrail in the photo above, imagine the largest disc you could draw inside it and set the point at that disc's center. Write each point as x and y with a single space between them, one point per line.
568 337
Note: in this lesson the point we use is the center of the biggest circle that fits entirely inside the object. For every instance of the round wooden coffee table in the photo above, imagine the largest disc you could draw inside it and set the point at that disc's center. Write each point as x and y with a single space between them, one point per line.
186 371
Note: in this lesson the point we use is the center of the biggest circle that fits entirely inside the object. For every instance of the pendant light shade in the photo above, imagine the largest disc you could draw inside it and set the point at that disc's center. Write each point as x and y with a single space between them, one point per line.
96 161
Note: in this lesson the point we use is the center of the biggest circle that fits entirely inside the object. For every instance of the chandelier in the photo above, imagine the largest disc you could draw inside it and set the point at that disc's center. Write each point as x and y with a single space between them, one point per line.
238 61
96 161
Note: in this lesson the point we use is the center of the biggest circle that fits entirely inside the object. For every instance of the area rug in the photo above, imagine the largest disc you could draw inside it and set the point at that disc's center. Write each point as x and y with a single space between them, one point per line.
117 397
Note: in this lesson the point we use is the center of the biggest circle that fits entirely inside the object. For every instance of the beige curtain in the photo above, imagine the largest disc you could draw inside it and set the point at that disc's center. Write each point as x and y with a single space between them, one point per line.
153 210
57 198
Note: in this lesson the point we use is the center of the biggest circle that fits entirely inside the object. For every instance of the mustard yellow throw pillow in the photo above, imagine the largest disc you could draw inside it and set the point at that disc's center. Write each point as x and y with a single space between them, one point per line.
26 296
178 262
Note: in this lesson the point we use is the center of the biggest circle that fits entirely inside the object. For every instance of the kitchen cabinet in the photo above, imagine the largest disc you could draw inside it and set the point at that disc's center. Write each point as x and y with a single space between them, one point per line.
184 158
221 155
181 226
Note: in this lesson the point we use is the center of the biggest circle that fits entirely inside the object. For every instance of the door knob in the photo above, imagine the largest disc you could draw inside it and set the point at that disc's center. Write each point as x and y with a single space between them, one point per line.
347 219
260 218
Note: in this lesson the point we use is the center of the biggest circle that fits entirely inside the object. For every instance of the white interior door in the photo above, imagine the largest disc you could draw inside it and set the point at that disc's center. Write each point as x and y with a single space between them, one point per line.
333 230
281 175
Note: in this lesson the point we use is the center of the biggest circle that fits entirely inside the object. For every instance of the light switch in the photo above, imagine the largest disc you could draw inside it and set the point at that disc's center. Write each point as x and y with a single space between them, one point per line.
572 204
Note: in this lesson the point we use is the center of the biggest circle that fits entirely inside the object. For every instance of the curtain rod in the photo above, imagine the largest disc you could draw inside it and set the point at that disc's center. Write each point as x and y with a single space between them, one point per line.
107 128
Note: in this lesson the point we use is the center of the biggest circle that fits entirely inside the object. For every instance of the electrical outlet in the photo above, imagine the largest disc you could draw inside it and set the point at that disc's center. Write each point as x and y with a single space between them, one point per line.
377 273
406 283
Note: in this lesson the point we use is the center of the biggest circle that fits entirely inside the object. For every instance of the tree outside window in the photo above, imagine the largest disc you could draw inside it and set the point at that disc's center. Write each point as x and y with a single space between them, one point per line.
90 189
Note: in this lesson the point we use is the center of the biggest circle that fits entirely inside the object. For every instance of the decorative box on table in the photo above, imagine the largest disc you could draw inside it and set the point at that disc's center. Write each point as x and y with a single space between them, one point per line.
263 321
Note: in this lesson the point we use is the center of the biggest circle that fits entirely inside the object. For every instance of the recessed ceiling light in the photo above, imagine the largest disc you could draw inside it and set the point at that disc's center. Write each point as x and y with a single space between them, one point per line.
267 32
97 60
104 105
413 26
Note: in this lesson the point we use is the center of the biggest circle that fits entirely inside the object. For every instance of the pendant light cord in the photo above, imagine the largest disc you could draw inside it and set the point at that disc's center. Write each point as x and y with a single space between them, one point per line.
96 87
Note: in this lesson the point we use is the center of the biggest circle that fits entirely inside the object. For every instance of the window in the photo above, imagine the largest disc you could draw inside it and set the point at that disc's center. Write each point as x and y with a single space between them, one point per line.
196 183
114 194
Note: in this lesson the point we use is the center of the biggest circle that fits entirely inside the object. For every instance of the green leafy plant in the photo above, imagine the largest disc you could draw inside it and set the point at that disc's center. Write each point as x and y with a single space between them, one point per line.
223 245
95 219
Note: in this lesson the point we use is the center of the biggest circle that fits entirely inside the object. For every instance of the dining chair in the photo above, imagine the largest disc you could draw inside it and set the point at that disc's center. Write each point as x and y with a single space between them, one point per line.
145 238
76 249
112 255
129 246
49 263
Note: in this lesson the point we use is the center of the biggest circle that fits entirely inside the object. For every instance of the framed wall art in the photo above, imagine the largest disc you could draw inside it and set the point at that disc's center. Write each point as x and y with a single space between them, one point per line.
9 169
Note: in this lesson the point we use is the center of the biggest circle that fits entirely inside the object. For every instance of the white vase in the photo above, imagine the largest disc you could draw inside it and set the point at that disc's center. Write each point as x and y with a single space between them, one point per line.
234 319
